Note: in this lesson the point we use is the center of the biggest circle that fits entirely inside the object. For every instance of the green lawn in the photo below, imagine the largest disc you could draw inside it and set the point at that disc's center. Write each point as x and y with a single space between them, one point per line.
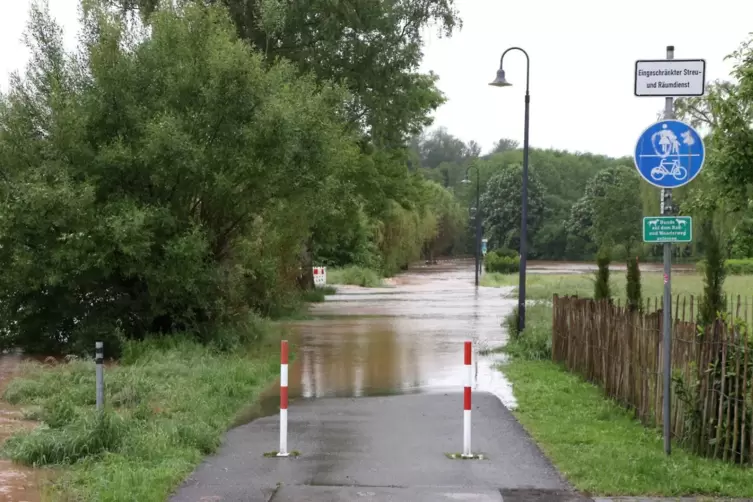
543 286
168 406
597 445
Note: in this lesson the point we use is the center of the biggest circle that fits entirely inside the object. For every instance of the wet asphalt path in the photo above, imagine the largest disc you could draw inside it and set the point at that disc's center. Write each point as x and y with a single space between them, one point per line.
358 443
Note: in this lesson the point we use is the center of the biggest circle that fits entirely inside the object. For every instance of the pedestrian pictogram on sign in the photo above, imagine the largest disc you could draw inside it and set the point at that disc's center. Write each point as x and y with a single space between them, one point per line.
669 154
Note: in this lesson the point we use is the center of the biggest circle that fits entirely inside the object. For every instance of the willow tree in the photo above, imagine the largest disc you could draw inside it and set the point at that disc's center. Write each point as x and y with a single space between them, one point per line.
144 177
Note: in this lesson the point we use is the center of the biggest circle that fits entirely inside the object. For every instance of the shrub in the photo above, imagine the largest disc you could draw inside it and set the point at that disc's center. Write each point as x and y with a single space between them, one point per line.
501 264
741 266
503 251
633 286
354 275
712 300
601 286
535 342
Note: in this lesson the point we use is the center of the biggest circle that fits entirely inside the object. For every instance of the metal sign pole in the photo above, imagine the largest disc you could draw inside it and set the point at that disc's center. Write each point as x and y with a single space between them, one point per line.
669 154
666 206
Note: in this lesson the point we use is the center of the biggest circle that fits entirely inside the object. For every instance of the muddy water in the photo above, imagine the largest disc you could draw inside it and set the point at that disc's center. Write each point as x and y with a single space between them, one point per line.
401 339
17 483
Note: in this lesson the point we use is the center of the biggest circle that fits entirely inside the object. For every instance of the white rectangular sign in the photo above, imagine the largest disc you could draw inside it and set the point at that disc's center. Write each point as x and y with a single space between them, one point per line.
670 77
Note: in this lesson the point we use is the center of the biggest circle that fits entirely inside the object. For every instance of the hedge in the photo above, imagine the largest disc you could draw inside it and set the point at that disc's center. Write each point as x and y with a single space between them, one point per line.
495 262
732 267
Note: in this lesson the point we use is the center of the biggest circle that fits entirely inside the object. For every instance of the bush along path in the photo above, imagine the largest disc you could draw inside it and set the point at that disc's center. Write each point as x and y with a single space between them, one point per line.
168 404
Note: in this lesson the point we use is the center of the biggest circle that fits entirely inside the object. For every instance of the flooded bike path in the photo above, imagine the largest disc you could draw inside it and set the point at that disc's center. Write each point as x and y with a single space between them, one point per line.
405 339
402 339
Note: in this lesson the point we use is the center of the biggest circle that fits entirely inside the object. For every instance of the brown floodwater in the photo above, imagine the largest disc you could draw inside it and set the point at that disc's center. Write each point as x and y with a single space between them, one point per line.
404 338
408 337
400 339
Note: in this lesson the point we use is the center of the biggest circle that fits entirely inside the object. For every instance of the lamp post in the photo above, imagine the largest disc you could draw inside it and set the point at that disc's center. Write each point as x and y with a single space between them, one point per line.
501 81
478 217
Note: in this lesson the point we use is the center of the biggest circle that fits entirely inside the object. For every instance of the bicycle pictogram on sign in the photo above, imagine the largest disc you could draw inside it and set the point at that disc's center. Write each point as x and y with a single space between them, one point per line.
669 154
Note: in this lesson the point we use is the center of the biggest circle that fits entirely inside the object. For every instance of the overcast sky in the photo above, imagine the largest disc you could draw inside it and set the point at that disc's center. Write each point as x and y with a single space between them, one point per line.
582 53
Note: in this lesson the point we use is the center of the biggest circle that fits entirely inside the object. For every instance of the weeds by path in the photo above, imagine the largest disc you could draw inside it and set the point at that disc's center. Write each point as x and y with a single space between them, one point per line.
168 405
601 449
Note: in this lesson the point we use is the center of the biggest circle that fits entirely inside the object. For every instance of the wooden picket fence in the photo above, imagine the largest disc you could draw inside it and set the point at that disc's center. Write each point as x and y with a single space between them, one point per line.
621 351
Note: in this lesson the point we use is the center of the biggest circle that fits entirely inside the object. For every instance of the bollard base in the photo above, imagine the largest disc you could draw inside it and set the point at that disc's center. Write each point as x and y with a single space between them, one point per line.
294 453
460 456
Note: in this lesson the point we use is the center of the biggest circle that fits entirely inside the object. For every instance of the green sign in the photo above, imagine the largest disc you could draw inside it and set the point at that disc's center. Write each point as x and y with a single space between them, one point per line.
667 229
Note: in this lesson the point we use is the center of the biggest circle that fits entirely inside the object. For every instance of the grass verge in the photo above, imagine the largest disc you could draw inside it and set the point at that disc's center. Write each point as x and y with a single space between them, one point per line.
601 449
354 275
168 402
535 342
593 441
543 286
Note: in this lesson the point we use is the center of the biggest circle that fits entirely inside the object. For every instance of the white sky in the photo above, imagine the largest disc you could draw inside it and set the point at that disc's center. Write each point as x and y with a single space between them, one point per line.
583 56
582 53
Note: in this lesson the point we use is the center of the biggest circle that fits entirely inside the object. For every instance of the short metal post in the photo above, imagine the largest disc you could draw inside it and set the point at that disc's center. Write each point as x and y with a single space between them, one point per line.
467 384
283 399
99 359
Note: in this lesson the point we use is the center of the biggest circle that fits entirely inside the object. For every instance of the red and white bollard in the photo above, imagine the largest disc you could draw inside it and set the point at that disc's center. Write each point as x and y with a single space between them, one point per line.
467 400
283 399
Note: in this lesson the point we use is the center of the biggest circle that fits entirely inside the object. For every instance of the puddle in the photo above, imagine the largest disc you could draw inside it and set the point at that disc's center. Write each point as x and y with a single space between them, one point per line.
403 338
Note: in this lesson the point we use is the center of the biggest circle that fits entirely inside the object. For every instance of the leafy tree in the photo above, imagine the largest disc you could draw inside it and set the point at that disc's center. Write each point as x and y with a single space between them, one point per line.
502 206
504 145
617 213
441 147
447 236
609 212
723 190
372 48
579 226
155 182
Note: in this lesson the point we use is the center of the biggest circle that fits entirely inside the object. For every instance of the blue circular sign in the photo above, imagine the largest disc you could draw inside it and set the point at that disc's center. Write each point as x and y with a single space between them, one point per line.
669 154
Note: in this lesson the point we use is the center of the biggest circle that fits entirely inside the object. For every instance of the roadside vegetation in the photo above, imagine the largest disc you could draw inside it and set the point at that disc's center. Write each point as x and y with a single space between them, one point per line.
167 187
168 403
543 286
596 443
602 449
354 275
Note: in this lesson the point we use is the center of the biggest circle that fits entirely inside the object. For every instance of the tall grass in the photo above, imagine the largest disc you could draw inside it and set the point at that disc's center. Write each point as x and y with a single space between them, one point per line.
168 403
535 342
602 449
354 275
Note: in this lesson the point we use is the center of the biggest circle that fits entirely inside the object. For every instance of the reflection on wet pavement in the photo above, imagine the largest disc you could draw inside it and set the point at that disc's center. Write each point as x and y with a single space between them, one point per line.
402 339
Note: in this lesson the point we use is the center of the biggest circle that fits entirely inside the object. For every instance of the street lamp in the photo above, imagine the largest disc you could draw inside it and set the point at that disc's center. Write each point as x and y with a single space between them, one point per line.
478 217
501 81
